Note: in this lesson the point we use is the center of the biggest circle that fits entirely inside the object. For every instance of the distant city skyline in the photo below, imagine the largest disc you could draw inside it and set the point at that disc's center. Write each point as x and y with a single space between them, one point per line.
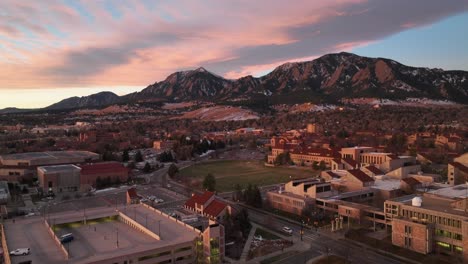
51 50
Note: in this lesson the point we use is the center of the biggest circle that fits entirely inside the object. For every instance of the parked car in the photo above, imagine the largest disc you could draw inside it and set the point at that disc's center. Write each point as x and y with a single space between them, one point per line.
287 230
20 251
259 238
143 200
66 238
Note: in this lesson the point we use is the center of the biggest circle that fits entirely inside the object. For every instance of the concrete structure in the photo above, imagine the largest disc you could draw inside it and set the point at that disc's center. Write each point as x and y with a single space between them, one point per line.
132 234
67 178
59 178
457 171
299 195
23 166
430 223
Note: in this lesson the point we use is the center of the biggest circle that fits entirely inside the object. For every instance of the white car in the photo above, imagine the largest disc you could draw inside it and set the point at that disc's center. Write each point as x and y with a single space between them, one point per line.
30 214
20 251
287 230
143 200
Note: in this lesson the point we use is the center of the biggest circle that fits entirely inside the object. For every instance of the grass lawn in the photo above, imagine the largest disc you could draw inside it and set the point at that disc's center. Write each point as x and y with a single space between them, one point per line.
228 173
330 260
265 234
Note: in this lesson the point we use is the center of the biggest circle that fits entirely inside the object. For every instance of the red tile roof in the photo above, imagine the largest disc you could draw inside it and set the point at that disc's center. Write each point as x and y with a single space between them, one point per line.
199 199
411 181
350 162
459 166
374 170
215 208
360 175
105 167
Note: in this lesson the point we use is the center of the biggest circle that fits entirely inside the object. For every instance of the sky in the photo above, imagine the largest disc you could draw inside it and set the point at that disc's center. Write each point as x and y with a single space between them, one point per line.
55 49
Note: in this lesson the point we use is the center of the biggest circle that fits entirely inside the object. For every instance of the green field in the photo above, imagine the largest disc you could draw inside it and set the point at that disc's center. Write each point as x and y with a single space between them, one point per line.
228 173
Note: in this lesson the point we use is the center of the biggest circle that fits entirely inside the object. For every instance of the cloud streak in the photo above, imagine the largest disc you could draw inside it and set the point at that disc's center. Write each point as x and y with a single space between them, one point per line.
84 43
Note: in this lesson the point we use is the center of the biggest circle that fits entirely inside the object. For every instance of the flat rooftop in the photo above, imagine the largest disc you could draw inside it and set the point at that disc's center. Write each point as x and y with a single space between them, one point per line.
57 168
97 239
458 191
386 184
47 154
432 203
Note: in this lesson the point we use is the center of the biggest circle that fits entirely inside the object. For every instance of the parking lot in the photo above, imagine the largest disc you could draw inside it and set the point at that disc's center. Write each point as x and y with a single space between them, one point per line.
117 197
32 233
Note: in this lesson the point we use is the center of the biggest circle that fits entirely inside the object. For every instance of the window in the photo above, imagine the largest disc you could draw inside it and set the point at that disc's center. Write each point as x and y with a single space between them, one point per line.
408 242
408 230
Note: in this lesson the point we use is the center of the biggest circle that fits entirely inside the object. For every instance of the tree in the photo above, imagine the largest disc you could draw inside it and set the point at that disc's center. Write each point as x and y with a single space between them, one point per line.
173 170
237 193
125 156
209 183
315 165
138 156
147 167
322 165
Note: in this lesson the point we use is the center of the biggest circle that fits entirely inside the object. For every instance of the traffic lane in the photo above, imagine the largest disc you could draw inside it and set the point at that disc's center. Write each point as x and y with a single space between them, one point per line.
345 249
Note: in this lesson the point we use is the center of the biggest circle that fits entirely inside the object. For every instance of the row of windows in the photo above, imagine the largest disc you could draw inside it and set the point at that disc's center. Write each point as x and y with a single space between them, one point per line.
448 234
298 204
432 218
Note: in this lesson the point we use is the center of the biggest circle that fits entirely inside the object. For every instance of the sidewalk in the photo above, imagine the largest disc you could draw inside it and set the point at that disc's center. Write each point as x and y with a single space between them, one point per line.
245 251
298 245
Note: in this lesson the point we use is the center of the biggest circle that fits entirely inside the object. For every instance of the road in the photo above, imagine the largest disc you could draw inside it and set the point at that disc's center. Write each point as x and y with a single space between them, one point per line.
320 243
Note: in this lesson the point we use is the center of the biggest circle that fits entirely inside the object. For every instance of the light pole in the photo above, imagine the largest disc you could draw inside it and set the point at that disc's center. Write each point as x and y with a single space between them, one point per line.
117 242
159 229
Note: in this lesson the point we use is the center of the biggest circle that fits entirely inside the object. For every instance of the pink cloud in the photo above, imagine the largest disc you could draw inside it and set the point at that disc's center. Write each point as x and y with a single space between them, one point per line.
233 38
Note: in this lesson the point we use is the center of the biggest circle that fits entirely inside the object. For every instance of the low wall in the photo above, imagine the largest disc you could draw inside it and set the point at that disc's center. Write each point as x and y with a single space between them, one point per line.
6 252
127 220
56 239
171 218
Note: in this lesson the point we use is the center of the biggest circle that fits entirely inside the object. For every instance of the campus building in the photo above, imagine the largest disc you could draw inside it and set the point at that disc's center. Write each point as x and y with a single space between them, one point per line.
436 221
457 171
72 178
163 144
23 166
136 234
207 205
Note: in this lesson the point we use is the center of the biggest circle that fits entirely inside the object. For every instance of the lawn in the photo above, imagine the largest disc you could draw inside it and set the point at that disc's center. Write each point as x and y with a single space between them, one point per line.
228 173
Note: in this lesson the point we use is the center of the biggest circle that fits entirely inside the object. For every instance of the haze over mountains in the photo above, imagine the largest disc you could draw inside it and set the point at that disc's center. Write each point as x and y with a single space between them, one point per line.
327 79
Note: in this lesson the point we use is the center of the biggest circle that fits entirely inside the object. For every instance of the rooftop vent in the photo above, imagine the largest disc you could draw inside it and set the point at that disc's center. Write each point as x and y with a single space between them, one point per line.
416 201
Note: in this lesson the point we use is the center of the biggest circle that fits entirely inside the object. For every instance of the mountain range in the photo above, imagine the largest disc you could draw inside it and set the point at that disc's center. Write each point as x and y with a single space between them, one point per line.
327 79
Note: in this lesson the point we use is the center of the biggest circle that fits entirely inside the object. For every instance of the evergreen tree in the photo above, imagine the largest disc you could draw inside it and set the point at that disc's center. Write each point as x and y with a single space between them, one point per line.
138 156
125 156
147 167
173 170
209 183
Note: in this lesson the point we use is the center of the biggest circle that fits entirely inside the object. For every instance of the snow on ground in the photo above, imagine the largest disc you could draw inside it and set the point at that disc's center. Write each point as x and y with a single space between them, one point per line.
220 113
406 102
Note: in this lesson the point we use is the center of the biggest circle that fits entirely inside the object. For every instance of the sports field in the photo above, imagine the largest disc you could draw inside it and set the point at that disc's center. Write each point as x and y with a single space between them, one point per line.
228 173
